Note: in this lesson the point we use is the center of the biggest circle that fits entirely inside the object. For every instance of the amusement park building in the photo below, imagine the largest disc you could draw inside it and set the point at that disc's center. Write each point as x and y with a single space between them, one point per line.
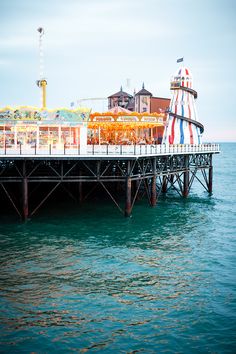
142 101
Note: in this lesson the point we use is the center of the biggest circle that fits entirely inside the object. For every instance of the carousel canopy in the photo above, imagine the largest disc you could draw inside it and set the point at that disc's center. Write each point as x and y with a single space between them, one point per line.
118 109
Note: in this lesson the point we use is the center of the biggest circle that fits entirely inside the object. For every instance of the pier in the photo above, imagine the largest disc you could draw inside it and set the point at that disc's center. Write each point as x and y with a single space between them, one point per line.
134 150
127 171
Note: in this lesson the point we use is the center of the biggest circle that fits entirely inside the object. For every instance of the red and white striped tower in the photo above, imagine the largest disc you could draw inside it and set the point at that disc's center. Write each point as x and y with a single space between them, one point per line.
182 123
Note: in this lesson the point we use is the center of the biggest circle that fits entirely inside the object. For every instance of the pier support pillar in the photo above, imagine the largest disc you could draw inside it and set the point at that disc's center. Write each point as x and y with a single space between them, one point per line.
128 204
136 183
128 192
25 199
154 191
154 184
210 176
186 177
164 184
80 188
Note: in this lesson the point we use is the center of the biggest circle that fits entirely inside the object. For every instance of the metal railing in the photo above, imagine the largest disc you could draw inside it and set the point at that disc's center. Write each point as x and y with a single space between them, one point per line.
106 150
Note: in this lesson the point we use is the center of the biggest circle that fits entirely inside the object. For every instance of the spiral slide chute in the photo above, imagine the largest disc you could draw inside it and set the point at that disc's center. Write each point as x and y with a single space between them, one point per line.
182 123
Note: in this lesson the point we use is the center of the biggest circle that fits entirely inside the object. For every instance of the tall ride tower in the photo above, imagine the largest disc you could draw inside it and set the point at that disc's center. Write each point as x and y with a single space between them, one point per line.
182 124
42 82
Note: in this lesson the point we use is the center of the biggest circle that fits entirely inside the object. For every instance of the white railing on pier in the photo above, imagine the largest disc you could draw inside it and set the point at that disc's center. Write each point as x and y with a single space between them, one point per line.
107 150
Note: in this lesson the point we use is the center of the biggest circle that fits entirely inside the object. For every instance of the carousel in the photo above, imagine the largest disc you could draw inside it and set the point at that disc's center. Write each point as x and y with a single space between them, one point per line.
122 127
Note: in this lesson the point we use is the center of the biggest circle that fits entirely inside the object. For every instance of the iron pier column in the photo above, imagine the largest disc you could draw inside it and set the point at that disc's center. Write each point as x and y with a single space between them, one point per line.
25 211
154 191
186 176
154 185
210 177
128 203
80 187
164 184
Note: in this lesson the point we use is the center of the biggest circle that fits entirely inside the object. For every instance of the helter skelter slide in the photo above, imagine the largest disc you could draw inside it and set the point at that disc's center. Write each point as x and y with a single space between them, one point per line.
182 125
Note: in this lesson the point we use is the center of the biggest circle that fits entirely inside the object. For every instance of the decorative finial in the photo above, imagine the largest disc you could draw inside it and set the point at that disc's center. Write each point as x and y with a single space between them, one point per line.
40 30
121 88
143 85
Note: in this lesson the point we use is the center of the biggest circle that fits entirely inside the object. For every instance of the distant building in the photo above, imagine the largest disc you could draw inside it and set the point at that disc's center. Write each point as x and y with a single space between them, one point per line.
142 101
120 98
159 104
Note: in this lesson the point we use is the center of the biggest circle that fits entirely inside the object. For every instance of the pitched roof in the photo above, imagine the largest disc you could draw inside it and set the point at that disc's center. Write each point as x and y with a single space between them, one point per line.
143 92
120 94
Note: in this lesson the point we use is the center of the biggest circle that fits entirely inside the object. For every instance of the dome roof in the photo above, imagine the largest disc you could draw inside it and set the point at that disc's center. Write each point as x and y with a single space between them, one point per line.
183 77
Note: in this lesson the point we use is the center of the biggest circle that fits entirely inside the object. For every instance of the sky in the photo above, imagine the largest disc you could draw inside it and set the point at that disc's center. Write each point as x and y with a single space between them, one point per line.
93 47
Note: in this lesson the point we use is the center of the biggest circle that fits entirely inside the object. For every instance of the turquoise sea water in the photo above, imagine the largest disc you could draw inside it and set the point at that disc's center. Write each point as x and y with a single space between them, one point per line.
86 279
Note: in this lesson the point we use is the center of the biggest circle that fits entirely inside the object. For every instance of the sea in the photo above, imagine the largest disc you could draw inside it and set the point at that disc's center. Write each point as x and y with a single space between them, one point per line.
85 279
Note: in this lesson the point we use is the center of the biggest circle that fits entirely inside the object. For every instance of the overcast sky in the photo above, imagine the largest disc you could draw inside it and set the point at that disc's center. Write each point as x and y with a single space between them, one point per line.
92 47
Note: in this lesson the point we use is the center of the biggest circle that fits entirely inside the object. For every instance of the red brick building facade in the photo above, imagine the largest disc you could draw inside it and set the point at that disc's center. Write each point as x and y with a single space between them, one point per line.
142 101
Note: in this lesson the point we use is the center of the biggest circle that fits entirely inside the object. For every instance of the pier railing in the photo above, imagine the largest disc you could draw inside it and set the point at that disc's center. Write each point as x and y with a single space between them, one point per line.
160 149
106 150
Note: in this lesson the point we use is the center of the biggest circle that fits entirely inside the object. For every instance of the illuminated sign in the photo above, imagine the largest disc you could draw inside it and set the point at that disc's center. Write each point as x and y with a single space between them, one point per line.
149 119
103 119
28 114
127 119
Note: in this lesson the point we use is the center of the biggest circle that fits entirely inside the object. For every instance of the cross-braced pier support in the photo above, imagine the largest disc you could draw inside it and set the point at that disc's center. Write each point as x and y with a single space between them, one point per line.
124 179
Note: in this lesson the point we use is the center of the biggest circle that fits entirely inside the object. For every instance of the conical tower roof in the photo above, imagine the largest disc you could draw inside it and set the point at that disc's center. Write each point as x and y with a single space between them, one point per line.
143 92
120 94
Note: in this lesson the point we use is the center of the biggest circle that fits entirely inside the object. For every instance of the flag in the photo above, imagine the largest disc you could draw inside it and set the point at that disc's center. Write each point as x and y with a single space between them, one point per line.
179 60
